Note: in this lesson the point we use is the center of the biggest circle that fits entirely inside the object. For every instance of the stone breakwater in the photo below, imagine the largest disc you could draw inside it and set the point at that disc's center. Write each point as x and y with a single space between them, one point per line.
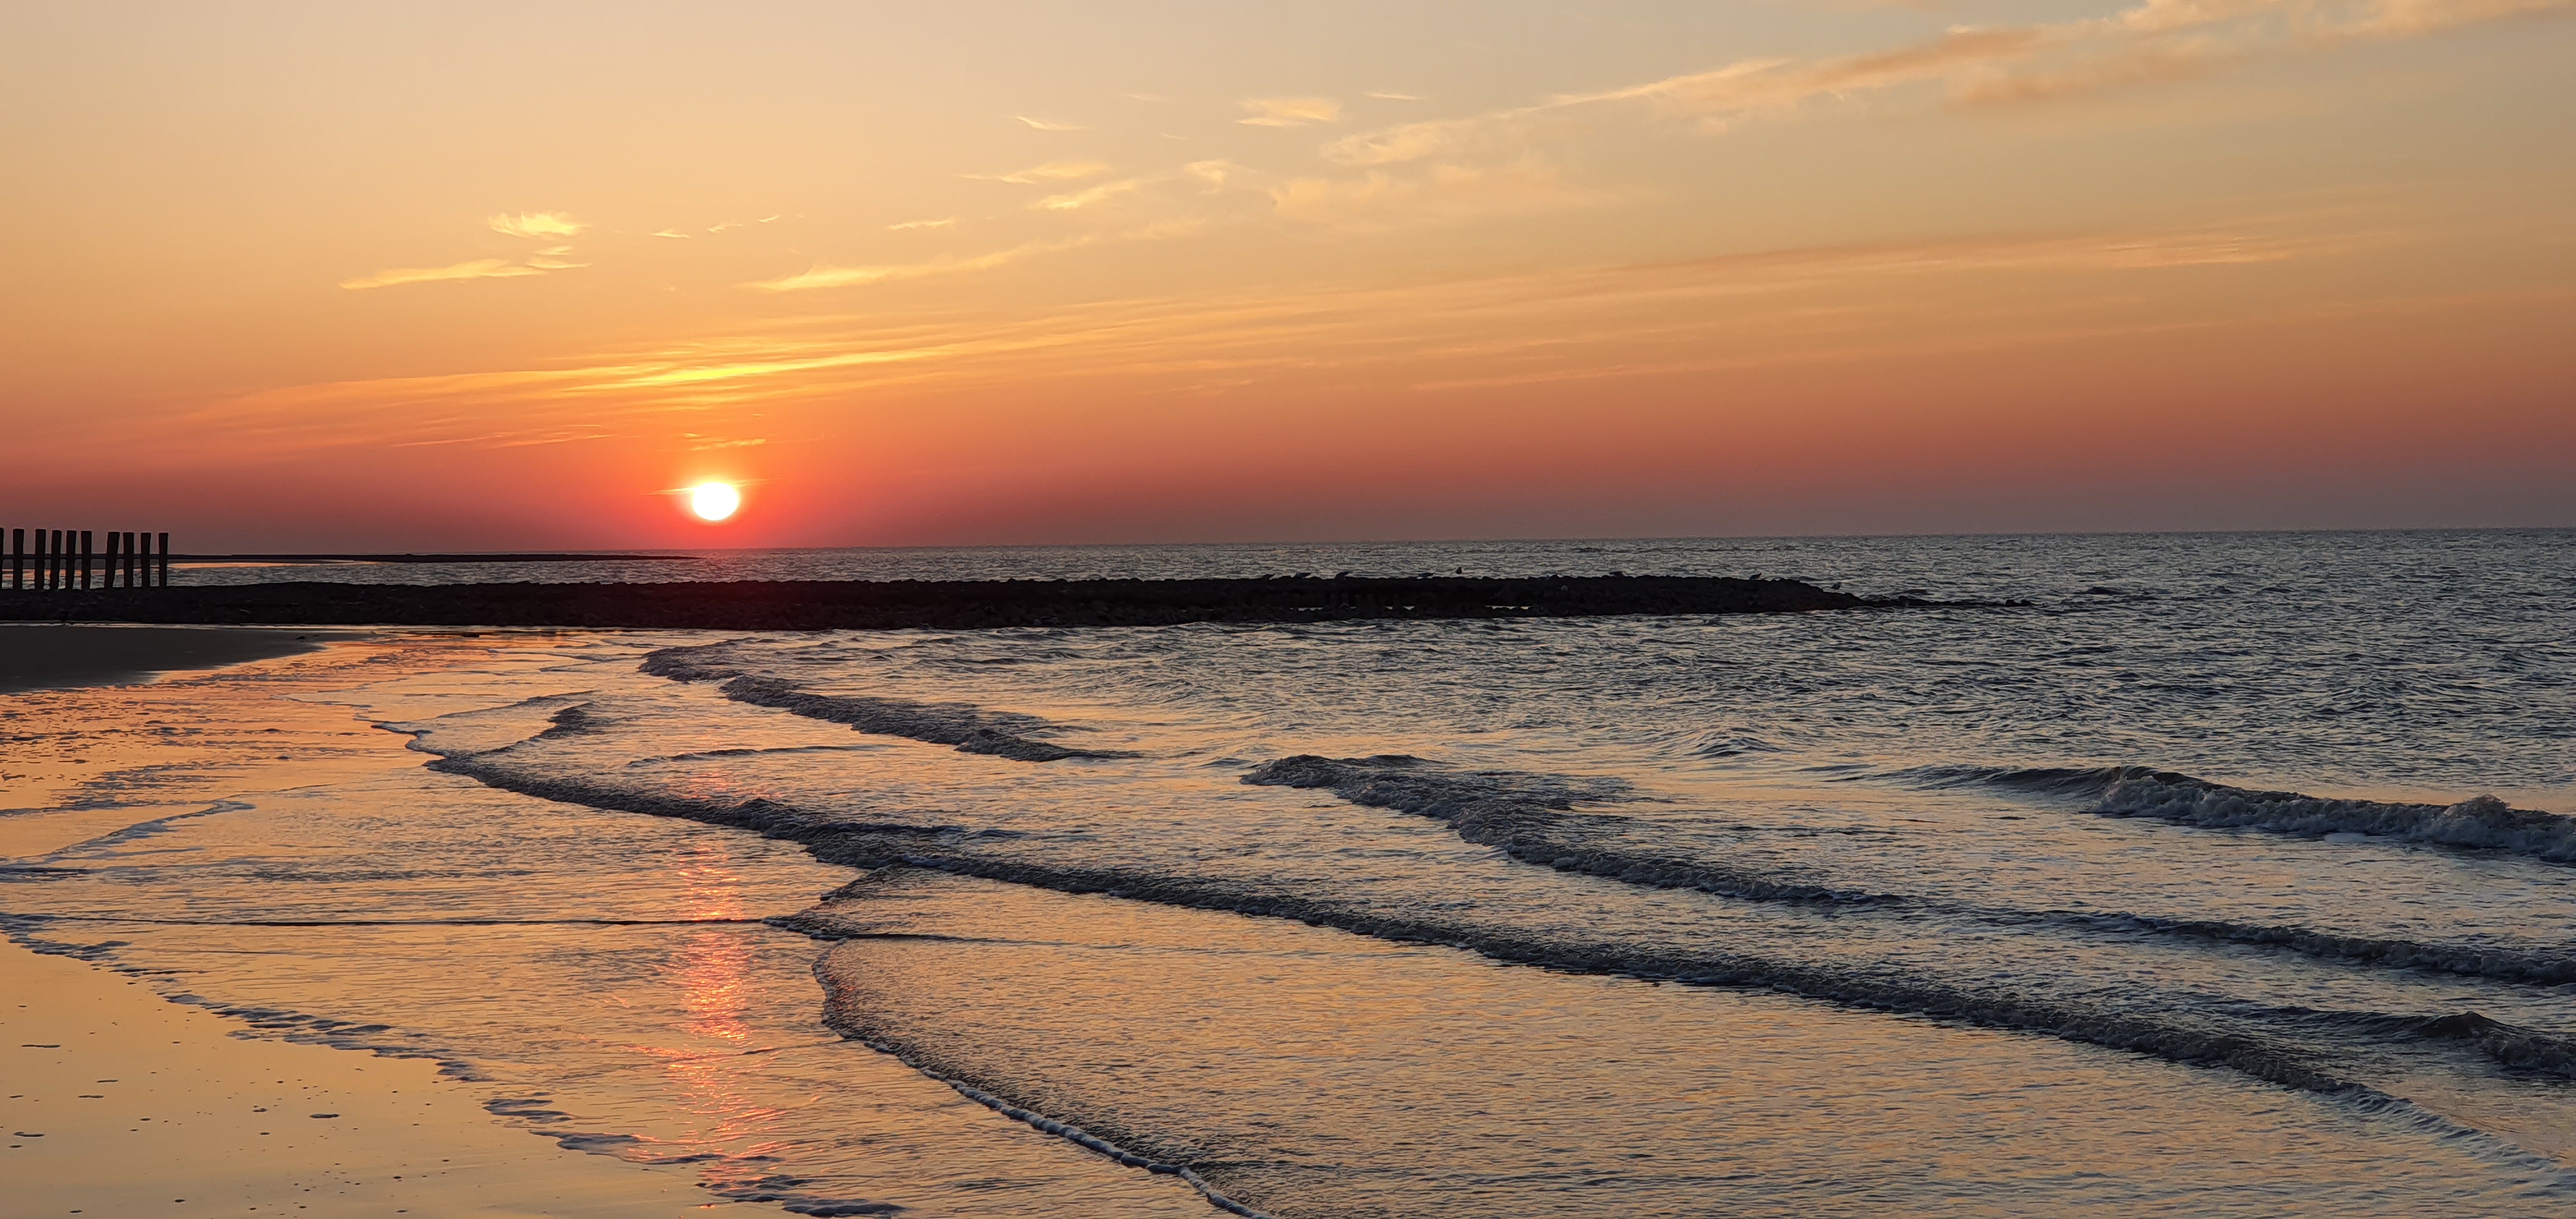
785 605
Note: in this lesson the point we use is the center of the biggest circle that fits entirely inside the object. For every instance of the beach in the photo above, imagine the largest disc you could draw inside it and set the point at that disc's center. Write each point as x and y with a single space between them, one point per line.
122 1102
2110 884
43 657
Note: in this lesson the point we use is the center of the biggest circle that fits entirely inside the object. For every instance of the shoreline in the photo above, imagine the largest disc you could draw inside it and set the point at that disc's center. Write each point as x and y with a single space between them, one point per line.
66 656
806 605
122 1100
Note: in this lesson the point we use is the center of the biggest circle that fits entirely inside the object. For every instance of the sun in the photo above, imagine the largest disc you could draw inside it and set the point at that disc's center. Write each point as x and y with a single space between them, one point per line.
714 501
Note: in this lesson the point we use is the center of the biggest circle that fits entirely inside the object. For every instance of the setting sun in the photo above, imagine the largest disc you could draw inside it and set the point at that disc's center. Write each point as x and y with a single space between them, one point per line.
714 501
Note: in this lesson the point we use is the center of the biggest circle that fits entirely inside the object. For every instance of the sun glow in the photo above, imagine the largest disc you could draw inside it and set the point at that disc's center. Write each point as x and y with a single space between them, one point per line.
713 501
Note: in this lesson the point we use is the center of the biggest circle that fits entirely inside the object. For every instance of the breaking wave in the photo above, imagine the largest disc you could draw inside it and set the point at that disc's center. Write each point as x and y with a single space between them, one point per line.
969 729
2477 823
872 845
1532 819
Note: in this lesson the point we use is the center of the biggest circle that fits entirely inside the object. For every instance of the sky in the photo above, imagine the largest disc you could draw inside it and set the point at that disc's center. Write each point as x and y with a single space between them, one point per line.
506 276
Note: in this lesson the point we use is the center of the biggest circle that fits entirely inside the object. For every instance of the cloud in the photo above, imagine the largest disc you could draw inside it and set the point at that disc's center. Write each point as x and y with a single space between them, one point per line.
480 268
1048 125
2150 42
849 277
1209 175
948 223
1074 200
1396 97
1756 308
675 233
536 224
1290 111
1380 199
1052 171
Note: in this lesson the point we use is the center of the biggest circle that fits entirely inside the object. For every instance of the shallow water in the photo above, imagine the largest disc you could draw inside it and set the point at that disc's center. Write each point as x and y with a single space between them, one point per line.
2166 893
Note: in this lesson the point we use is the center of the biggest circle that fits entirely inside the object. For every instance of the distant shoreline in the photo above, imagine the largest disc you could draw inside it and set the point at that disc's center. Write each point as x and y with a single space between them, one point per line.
936 604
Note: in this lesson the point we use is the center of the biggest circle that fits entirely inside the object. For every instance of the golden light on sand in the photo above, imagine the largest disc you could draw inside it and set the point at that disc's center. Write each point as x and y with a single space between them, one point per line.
713 501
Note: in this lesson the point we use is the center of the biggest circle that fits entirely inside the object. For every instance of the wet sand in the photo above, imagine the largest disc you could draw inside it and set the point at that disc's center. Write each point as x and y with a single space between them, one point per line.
59 656
116 1101
122 1103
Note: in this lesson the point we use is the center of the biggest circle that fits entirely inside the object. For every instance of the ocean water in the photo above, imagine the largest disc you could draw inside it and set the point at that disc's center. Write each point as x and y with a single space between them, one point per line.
2234 874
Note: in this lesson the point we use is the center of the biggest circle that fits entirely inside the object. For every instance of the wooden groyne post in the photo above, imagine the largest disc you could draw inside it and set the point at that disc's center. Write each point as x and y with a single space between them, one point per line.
69 560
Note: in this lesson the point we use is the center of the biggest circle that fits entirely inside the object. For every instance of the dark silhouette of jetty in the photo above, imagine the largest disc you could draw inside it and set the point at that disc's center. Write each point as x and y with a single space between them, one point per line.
804 605
529 557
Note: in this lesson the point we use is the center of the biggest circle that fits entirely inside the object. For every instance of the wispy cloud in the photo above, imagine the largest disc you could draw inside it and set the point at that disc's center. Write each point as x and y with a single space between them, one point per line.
672 233
1049 124
945 223
1760 308
1397 97
1073 200
1290 111
1207 175
1052 171
849 277
1379 199
703 443
536 224
480 268
2158 40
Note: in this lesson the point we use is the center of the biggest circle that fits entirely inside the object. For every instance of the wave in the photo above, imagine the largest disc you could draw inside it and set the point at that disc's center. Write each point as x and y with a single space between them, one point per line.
2478 823
836 838
853 1023
969 729
2467 960
1531 818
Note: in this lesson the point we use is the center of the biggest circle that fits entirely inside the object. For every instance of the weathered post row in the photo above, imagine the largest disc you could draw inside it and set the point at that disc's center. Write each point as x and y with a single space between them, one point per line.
57 560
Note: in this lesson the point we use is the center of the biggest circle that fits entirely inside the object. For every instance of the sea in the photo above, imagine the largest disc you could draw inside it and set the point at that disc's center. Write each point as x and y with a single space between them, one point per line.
2193 874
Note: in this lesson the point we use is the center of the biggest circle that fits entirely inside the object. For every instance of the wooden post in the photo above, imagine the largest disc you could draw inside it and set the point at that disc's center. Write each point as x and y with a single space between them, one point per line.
108 574
84 560
165 560
53 555
18 560
132 568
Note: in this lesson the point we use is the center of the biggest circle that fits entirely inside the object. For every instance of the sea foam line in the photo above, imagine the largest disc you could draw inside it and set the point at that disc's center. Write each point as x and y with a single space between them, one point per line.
1532 818
2477 823
970 729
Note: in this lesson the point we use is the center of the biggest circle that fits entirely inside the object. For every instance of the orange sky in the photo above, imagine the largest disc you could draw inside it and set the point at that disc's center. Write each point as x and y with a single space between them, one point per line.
501 276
